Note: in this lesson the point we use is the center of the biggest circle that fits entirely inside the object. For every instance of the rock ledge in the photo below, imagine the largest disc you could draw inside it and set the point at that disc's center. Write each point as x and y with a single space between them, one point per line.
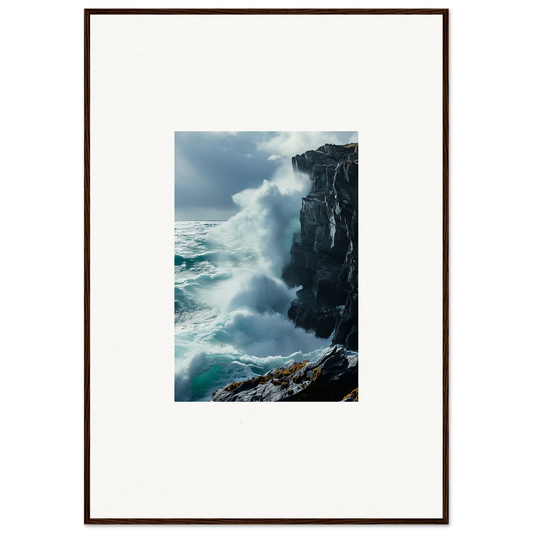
333 378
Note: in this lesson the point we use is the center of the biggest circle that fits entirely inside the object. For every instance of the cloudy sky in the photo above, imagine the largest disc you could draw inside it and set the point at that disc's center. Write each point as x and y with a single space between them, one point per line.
210 167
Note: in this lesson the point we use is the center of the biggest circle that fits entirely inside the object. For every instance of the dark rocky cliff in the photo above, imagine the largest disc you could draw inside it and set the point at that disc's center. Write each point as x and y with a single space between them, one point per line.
324 261
324 254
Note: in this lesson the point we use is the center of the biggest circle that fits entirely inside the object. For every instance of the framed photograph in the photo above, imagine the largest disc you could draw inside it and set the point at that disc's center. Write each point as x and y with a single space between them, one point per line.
289 363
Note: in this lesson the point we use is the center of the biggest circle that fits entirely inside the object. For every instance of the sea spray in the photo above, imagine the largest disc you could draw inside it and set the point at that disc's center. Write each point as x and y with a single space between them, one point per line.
230 302
267 219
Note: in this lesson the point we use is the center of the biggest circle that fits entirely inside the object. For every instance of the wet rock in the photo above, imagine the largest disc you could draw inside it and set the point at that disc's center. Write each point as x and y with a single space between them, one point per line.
308 314
346 327
324 254
333 378
352 397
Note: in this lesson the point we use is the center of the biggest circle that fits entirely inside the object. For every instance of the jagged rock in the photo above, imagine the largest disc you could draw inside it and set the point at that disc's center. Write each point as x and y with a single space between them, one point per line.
324 254
352 397
306 313
346 327
334 377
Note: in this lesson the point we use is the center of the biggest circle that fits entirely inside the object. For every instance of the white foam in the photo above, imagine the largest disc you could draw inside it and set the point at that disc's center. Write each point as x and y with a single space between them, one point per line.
264 222
262 335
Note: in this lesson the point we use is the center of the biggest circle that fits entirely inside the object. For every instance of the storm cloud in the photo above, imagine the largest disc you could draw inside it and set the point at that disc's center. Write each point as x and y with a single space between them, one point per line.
211 167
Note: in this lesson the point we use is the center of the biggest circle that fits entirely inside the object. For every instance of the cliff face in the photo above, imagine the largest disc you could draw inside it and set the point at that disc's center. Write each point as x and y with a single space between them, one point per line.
324 254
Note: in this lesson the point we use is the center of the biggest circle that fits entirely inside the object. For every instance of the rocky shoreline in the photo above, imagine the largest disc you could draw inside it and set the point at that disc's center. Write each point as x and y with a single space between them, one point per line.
333 378
324 262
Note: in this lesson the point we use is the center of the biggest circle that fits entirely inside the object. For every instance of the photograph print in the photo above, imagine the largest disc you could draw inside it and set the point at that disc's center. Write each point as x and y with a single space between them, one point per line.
266 267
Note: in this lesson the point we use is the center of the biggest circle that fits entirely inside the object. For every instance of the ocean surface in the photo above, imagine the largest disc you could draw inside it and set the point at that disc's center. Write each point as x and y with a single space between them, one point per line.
230 304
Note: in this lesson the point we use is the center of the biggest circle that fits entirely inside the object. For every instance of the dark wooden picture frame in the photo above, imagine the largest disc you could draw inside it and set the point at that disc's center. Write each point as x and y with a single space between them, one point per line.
445 278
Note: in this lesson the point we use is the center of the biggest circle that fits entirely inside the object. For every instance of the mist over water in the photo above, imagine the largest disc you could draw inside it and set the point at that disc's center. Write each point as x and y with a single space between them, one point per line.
230 302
